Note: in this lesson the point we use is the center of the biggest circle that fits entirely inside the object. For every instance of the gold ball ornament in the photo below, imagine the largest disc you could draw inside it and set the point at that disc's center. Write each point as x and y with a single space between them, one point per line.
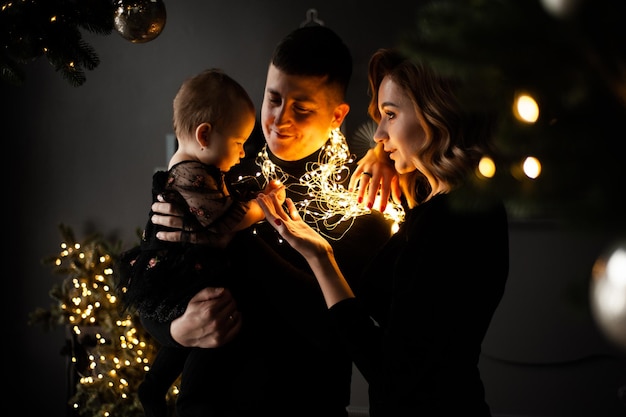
608 293
139 21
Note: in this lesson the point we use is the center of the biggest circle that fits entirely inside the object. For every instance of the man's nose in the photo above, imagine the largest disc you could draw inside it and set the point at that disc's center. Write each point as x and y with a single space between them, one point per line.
282 115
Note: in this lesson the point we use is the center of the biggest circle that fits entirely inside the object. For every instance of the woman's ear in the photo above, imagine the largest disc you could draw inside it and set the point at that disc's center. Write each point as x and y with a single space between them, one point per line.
203 134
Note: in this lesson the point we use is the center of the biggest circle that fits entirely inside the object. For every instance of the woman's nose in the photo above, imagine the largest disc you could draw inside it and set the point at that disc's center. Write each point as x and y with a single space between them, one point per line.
380 134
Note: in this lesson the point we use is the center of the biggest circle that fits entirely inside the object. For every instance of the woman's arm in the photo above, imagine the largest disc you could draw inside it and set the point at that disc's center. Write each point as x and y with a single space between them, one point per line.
315 249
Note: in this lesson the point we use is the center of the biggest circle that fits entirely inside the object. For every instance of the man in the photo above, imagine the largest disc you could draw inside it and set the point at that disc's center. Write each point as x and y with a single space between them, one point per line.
290 362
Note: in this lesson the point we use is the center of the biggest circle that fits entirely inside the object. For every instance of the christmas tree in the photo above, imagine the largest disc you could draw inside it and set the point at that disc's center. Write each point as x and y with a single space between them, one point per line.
30 29
109 350
568 59
51 28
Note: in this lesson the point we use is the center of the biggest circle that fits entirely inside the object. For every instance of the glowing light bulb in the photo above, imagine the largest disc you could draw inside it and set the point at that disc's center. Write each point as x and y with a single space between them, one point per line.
486 167
608 293
525 108
531 167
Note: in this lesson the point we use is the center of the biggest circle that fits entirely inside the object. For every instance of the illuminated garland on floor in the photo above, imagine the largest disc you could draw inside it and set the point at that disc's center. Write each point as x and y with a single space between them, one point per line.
322 181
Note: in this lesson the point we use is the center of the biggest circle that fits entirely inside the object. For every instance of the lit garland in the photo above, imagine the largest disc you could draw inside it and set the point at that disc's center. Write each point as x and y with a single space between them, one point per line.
333 203
108 351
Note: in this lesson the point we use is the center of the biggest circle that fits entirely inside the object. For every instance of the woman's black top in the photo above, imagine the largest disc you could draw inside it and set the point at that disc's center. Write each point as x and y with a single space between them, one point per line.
416 327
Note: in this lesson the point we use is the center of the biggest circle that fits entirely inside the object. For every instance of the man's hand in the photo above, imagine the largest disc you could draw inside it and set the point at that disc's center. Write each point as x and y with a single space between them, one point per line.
210 320
375 172
166 214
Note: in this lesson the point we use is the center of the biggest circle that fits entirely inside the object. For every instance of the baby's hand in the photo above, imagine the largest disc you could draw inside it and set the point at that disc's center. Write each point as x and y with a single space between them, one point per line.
277 188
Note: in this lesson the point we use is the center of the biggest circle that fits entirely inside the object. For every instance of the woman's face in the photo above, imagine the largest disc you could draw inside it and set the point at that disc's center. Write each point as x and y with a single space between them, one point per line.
400 129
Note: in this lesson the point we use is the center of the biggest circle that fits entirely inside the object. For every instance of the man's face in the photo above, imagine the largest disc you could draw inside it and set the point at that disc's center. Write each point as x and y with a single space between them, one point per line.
298 113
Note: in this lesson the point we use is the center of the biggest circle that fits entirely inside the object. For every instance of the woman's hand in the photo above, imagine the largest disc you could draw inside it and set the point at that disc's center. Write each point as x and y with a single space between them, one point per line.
210 320
315 249
292 228
375 172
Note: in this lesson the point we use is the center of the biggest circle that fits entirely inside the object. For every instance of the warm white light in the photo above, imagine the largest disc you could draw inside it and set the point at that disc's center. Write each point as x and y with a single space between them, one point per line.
321 184
608 293
561 9
616 268
486 167
532 167
526 109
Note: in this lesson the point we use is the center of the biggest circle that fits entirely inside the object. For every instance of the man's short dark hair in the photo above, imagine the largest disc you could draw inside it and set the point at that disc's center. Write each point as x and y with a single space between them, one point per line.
315 51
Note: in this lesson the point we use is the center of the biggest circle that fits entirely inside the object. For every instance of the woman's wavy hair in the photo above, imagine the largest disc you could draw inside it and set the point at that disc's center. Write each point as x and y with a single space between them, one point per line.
456 138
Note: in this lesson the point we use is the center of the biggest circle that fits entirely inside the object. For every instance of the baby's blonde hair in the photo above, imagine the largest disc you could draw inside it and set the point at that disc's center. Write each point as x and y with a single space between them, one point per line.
210 97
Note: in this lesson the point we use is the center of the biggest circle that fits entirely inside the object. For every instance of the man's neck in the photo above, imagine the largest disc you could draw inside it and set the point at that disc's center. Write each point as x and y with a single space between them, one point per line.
295 169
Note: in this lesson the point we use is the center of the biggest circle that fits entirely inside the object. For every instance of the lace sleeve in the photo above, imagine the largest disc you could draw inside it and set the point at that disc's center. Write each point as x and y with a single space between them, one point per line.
202 188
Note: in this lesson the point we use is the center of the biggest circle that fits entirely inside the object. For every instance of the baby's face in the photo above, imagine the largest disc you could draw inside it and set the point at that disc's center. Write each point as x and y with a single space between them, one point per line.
229 145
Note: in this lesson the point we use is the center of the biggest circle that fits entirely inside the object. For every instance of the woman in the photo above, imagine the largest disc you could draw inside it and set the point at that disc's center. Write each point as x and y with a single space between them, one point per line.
415 328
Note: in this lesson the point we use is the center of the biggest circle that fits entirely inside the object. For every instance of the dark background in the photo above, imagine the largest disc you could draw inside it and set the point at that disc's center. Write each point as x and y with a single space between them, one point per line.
84 156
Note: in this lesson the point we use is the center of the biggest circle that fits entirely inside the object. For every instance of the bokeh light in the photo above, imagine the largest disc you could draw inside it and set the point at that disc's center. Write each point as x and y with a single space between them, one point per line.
525 108
486 167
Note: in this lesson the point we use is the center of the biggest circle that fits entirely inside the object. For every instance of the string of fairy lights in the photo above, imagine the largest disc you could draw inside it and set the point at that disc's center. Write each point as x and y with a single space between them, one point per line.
326 203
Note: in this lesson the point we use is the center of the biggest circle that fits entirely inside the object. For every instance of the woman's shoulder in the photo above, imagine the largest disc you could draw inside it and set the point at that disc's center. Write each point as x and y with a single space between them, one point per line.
457 211
470 201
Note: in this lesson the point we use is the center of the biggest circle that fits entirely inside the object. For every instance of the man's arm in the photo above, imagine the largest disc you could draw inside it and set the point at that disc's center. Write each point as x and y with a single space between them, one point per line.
211 318
166 214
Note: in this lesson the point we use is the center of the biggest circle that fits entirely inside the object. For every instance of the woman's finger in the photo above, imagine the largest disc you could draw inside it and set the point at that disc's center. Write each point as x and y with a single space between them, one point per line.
293 210
267 206
355 177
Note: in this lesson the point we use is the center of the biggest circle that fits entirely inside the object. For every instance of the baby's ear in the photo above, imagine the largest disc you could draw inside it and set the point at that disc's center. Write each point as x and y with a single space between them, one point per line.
203 134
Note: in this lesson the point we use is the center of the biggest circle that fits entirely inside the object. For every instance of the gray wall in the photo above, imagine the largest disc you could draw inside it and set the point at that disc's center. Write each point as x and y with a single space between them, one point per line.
84 156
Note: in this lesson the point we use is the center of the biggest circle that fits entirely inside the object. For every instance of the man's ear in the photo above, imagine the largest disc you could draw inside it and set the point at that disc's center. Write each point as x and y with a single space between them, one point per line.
339 114
203 134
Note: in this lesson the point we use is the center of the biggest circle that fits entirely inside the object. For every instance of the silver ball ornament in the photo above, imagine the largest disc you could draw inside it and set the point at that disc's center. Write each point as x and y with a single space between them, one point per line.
139 21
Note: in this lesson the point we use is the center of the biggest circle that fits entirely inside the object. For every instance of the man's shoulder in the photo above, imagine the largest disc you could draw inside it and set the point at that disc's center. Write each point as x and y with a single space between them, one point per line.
367 228
375 223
